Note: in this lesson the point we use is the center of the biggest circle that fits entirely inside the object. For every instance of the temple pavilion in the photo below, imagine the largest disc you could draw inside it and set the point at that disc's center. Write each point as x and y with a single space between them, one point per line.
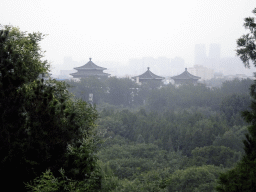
185 78
147 76
90 69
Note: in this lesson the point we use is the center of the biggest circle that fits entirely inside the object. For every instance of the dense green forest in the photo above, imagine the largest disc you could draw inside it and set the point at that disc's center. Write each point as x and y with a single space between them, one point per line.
167 138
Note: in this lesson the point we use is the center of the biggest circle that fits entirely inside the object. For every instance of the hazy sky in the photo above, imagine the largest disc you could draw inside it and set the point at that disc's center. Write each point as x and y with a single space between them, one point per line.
117 30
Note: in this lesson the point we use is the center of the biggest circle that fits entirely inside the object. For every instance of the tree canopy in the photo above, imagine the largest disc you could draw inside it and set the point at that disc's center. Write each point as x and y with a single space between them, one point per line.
41 126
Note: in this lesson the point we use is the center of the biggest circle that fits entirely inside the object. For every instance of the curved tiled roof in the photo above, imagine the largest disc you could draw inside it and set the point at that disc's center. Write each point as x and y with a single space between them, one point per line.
148 75
185 75
90 65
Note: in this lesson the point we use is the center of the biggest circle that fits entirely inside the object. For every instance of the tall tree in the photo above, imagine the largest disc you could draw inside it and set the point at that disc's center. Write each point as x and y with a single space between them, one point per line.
38 119
120 91
243 176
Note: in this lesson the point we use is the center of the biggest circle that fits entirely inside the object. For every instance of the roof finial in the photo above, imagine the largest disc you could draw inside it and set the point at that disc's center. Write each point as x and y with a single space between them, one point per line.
90 58
148 68
186 69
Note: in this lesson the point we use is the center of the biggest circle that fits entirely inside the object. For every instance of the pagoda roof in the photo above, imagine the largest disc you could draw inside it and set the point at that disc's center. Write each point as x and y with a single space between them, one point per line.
89 66
149 75
185 75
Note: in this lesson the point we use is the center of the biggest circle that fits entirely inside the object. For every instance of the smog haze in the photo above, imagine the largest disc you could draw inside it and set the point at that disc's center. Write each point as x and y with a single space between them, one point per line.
118 32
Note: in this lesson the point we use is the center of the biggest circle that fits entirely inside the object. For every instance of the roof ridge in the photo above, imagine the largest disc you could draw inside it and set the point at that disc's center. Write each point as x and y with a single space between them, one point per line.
90 65
185 75
149 75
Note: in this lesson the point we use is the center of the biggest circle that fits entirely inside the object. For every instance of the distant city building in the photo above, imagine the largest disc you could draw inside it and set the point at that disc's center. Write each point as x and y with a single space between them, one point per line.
161 65
89 70
211 61
201 71
229 66
147 76
185 78
200 54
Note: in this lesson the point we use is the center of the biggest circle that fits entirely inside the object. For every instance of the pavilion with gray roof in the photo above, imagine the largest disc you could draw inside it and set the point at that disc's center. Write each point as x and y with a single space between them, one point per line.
185 78
147 76
90 69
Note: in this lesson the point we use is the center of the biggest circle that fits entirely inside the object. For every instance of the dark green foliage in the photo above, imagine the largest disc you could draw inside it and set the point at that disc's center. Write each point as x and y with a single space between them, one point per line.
177 131
151 181
41 128
20 64
214 155
127 160
231 137
243 176
240 178
171 98
114 91
170 131
246 44
194 179
89 85
234 104
83 172
236 86
120 91
184 137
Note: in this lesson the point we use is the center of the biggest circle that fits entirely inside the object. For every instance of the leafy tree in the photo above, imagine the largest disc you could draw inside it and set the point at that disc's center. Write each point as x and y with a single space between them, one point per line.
120 91
41 127
88 85
236 86
109 180
232 138
128 160
193 179
234 104
214 155
243 176
246 44
20 64
146 182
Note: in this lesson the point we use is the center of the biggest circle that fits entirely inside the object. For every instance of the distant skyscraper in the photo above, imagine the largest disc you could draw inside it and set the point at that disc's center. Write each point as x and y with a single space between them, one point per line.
211 61
200 54
214 57
214 51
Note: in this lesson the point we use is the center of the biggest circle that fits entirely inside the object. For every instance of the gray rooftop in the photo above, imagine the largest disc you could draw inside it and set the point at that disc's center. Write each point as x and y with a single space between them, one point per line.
149 75
89 66
185 75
